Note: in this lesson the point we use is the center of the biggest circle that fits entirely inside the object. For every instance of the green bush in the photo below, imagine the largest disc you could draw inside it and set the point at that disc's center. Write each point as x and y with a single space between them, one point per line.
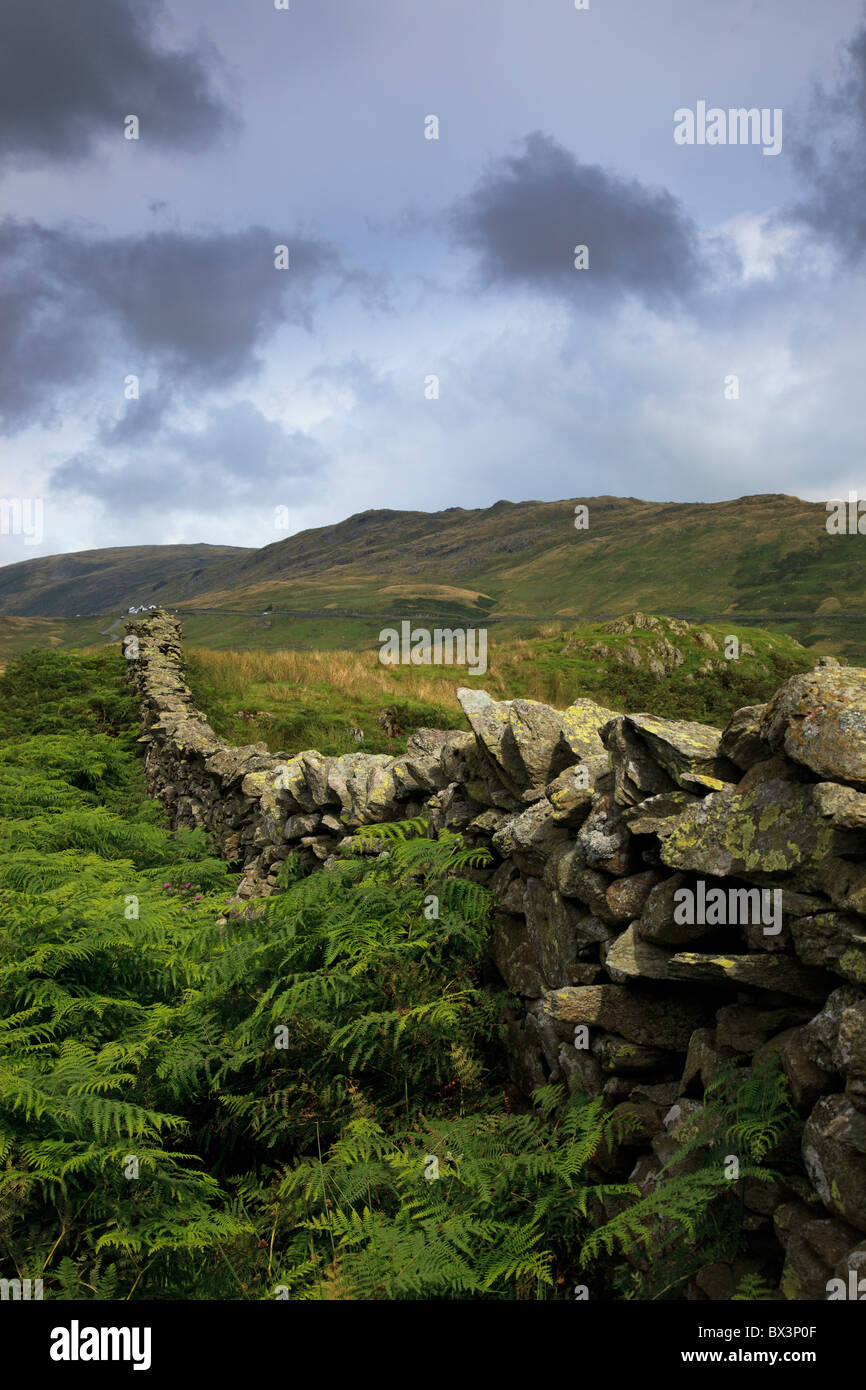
47 692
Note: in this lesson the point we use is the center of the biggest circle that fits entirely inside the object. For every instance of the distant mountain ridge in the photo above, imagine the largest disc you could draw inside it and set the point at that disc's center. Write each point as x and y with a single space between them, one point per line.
97 581
763 553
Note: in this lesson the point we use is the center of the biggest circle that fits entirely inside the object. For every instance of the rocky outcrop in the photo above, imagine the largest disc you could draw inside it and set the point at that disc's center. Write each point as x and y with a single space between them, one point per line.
668 896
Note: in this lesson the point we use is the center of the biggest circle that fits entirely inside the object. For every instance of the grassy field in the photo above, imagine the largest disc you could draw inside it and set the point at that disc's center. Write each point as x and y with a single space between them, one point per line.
292 699
19 635
828 633
311 683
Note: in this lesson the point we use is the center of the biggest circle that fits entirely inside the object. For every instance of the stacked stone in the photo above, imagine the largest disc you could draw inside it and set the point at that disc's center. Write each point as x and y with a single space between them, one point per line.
596 820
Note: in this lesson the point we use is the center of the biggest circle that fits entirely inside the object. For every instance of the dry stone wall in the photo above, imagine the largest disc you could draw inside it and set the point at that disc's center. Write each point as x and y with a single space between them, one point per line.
668 896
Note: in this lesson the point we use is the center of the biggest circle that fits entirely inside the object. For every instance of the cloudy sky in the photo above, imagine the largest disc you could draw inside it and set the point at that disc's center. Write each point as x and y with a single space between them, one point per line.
311 389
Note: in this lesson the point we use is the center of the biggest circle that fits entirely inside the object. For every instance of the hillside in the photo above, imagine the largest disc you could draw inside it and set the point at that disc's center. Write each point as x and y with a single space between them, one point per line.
766 559
89 582
756 554
768 553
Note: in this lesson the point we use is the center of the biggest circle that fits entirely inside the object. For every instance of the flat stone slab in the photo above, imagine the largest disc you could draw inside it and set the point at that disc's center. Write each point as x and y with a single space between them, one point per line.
759 970
651 1020
774 828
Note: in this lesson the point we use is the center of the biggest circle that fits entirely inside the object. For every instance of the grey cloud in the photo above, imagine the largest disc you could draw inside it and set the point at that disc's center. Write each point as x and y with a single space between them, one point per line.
71 70
142 420
237 458
356 374
830 153
193 307
200 301
529 210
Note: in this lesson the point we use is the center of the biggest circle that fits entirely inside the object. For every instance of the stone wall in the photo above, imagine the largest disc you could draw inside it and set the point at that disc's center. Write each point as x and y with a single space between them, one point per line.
597 822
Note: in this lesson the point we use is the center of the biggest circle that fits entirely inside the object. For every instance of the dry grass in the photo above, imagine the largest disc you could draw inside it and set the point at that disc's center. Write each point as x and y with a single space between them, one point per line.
288 673
359 676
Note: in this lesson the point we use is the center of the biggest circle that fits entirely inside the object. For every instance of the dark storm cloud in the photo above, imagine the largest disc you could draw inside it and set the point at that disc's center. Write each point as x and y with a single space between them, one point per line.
199 301
71 70
236 458
529 211
142 421
195 308
830 152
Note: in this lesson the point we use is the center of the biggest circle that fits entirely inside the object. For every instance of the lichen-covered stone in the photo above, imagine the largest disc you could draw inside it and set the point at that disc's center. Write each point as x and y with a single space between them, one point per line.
571 793
777 801
618 1055
604 839
637 774
522 738
844 806
681 745
231 765
844 880
317 775
452 808
514 955
819 719
834 1153
756 971
378 798
821 1033
347 779
665 1021
534 734
422 767
551 923
652 815
488 823
626 896
630 958
833 940
292 778
850 1053
530 837
656 923
581 726
772 829
741 740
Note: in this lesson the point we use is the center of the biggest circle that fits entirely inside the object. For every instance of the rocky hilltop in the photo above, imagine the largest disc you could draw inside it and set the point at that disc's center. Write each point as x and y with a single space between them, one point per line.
669 895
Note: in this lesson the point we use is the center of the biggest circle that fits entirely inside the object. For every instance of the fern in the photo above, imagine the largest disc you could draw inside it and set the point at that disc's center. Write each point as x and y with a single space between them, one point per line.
312 1101
693 1216
752 1289
508 1196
